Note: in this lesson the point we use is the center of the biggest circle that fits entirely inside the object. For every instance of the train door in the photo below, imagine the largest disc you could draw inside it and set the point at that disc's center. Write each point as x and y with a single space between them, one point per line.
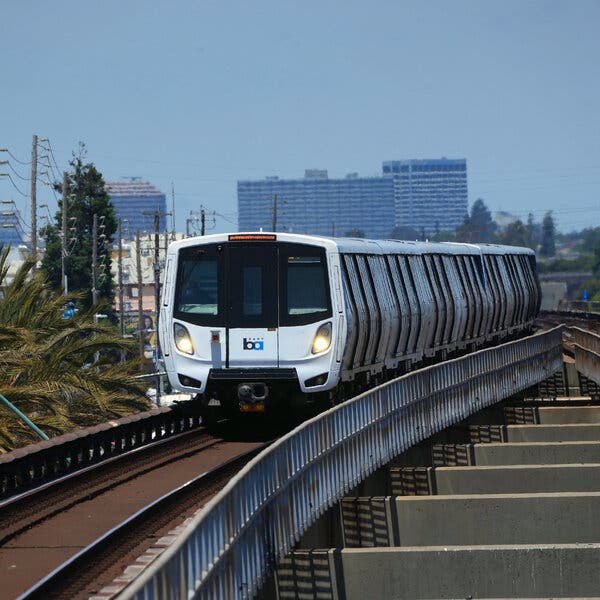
252 306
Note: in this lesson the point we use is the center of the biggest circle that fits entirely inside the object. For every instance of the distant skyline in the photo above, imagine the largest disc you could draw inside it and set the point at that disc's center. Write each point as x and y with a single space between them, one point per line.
203 94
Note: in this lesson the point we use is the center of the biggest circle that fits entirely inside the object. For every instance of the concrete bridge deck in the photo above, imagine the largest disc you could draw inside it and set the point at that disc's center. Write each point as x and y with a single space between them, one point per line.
489 509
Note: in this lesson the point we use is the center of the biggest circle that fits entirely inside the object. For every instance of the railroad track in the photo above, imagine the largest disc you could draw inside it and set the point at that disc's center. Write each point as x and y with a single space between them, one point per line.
71 537
547 319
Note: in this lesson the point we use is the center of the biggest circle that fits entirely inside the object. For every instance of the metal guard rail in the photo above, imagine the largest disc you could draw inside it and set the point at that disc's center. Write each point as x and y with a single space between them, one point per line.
585 306
38 463
587 352
233 544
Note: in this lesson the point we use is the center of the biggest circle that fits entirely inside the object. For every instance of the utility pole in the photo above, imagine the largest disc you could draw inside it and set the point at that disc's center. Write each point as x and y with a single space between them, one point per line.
274 212
120 280
173 204
34 201
138 256
94 260
202 222
63 249
157 216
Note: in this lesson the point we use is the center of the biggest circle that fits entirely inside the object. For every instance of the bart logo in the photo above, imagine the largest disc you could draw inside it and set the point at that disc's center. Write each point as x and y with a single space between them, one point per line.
254 344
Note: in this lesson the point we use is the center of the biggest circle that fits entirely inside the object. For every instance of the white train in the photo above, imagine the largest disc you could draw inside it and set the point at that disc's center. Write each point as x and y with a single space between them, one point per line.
255 321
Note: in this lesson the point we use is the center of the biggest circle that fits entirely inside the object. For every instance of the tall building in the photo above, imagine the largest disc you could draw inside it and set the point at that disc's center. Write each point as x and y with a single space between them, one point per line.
427 196
430 194
135 202
11 232
318 205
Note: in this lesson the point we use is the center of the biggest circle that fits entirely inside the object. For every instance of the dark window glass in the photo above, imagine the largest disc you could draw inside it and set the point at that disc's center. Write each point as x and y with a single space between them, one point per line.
252 290
198 292
306 292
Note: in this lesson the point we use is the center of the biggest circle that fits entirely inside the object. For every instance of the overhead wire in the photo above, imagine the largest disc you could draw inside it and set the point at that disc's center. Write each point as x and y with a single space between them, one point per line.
16 186
21 162
17 173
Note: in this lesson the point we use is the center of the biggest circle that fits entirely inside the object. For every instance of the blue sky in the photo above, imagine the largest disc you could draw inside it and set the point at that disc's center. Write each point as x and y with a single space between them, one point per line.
205 93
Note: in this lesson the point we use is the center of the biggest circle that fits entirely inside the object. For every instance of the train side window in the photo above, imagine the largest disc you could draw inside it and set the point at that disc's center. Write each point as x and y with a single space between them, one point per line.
197 293
303 285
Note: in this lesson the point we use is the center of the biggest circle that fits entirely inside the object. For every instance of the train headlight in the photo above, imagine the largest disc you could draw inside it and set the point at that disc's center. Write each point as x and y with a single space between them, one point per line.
322 339
183 341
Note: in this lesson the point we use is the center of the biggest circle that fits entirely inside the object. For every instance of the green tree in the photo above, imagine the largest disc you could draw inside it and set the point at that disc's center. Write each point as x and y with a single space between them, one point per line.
596 267
515 234
478 226
62 373
531 232
86 196
548 243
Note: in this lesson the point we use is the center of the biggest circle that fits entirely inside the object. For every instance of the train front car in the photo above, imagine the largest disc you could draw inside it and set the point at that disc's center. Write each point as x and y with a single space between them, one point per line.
250 322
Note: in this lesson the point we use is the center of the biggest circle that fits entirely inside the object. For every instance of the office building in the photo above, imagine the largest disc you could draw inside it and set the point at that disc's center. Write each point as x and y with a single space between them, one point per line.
425 196
135 202
430 194
318 205
11 232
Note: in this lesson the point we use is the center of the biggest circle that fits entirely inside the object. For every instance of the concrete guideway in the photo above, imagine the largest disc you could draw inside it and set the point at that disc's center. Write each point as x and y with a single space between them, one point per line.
538 571
514 515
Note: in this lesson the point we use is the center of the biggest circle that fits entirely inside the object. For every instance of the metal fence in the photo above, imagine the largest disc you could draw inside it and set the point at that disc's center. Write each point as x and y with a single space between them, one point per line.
586 306
236 541
587 352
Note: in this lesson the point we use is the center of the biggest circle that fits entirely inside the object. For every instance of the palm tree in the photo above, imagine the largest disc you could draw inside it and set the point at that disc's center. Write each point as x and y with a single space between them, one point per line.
62 373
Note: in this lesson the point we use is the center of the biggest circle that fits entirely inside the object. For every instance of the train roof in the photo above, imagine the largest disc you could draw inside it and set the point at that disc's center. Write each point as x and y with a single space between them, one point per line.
364 246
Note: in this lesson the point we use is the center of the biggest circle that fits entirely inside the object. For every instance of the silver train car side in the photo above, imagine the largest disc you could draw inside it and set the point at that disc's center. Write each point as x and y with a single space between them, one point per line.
256 321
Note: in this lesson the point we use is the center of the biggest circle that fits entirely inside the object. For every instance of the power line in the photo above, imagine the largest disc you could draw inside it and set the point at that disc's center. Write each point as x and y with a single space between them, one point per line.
21 162
58 170
16 172
15 185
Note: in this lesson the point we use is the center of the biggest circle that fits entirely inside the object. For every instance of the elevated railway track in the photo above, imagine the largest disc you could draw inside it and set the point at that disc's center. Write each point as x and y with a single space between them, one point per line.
283 504
72 536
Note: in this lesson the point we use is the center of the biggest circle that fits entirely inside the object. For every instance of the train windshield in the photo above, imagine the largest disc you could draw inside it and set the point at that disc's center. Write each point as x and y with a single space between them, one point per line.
258 284
304 296
198 292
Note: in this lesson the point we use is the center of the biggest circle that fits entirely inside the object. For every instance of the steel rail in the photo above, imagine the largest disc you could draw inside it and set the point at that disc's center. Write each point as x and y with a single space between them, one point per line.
235 542
586 347
12 509
38 463
52 586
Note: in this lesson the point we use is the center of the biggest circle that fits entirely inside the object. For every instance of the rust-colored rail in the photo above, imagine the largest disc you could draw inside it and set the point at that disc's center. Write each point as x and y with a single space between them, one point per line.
46 527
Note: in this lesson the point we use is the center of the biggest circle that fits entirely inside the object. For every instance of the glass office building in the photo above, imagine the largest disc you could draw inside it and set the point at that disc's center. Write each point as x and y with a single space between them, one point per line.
318 205
430 194
135 202
11 231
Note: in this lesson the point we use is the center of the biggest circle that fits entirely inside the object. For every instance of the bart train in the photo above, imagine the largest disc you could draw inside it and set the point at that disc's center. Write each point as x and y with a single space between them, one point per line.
254 321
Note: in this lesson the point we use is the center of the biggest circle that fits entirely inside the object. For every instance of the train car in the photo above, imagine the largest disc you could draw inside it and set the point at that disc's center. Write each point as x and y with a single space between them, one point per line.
252 322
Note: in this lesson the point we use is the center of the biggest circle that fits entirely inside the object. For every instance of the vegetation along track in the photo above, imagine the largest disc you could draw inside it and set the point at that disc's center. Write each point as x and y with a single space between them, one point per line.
46 527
